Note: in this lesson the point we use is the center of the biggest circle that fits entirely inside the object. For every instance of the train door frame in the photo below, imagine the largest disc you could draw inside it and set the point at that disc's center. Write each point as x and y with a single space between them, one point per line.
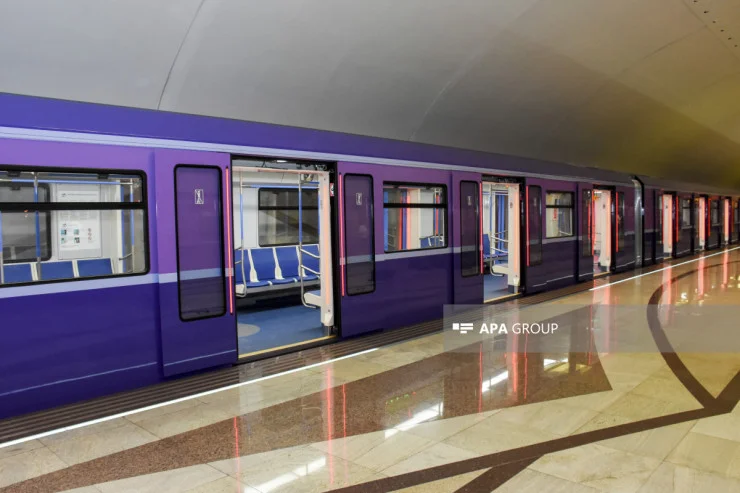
520 288
726 224
672 226
328 178
612 225
699 216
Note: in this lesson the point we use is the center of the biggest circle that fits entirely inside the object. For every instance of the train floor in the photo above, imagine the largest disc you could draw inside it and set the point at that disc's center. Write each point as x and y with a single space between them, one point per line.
495 287
272 328
635 389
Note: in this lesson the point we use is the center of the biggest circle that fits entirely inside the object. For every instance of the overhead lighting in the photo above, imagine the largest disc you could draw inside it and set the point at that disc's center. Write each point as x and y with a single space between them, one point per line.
281 161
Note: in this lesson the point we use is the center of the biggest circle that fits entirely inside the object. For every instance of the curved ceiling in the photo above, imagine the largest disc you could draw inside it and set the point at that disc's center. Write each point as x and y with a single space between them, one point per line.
642 86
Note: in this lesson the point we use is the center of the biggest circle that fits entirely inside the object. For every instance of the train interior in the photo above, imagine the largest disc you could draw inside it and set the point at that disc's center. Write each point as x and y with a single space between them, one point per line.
667 225
602 231
501 247
282 252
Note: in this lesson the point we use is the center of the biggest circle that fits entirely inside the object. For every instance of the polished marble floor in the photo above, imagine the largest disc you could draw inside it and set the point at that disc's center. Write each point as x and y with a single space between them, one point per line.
637 391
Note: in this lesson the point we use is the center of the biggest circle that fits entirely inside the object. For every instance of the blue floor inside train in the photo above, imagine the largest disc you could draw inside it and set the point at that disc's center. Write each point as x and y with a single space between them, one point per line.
495 286
267 329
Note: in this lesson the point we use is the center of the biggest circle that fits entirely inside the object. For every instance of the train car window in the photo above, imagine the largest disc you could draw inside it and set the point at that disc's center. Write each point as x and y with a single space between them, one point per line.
586 223
414 217
279 214
685 213
19 237
359 240
736 212
469 228
621 214
559 214
56 225
534 220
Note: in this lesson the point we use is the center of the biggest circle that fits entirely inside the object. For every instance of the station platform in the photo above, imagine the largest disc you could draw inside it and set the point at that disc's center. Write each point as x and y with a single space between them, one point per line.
642 398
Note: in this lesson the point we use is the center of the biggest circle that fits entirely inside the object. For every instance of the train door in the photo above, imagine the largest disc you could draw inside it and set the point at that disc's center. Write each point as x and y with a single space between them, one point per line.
639 219
667 225
735 235
197 310
658 252
714 223
603 231
726 221
700 226
586 233
282 250
467 239
501 238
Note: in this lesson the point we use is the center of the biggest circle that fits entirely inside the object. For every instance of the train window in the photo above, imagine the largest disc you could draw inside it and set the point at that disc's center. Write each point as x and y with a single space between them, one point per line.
19 237
736 213
534 224
559 214
587 223
359 227
685 213
414 217
469 228
279 214
621 214
64 226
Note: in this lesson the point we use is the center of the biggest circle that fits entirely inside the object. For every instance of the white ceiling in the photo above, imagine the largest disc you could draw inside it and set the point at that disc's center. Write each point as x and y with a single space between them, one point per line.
644 86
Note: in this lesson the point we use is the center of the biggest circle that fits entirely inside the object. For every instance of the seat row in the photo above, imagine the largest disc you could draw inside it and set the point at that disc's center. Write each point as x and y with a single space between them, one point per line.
277 266
63 269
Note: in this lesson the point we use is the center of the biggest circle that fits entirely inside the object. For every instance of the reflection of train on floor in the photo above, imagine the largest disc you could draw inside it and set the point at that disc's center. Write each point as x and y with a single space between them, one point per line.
139 245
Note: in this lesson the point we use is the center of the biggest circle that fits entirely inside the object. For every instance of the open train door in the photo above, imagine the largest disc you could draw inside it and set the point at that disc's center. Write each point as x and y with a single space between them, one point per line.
586 232
196 303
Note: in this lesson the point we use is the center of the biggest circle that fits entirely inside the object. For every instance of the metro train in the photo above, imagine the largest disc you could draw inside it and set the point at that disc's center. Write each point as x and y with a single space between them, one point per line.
138 246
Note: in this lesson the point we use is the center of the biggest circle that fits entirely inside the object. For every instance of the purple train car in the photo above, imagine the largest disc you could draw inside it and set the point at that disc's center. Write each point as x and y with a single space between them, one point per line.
137 246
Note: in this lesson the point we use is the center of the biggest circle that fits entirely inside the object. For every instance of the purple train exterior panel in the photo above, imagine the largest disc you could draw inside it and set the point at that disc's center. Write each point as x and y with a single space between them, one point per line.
558 266
411 286
585 221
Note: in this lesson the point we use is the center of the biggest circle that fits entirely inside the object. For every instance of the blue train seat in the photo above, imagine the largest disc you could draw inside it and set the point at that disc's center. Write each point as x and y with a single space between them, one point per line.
311 262
57 270
17 273
95 267
263 261
247 271
486 246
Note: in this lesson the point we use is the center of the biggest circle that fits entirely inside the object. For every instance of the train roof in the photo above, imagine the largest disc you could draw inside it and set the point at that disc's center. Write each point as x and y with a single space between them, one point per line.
35 117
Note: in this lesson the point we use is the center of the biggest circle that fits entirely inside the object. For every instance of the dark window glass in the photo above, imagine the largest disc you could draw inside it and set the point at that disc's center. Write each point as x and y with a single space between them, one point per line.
469 228
279 216
587 221
359 242
736 214
620 220
199 231
559 215
534 216
414 217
